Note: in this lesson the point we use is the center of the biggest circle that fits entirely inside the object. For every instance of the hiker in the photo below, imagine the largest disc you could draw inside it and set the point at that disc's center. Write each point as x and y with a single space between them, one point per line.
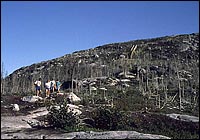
38 86
58 85
53 84
47 88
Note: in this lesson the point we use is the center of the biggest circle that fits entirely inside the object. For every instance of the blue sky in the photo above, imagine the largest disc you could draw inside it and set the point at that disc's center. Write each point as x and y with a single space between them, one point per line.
32 32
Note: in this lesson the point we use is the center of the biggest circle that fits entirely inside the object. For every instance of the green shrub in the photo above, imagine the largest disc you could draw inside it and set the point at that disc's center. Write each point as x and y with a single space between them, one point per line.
107 119
59 117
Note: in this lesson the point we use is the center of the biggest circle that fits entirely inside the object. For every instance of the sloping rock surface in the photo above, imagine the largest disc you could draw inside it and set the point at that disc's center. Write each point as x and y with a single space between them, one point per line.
107 60
181 117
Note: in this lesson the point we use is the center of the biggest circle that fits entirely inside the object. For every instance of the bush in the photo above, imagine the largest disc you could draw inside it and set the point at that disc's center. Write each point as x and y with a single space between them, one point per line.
59 117
107 119
129 101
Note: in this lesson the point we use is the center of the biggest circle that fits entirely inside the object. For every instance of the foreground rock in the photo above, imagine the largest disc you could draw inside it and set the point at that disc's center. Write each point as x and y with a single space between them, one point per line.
38 112
16 123
109 135
181 117
31 99
53 134
13 123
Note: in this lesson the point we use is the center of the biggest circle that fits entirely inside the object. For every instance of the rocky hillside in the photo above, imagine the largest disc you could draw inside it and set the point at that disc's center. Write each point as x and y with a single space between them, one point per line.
127 85
169 57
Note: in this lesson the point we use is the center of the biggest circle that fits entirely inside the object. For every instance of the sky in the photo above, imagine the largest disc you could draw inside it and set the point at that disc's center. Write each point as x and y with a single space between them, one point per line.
36 31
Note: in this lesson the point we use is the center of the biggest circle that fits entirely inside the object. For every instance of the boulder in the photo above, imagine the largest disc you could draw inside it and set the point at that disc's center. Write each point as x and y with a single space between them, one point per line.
15 107
42 111
31 99
60 93
34 123
73 97
74 108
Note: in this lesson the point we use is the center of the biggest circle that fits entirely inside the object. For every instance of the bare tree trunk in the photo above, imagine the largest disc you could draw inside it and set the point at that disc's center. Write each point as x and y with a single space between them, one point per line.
2 78
90 89
195 101
183 88
112 103
158 101
104 94
138 77
180 99
72 82
179 86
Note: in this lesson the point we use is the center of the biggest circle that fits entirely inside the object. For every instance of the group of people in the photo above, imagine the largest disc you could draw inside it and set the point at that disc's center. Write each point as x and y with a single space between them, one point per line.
50 86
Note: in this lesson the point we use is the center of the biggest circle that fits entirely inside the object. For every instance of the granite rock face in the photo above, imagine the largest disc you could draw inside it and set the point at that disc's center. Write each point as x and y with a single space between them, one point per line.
111 59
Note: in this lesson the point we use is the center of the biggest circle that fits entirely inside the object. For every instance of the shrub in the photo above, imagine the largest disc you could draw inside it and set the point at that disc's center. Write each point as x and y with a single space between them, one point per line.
59 117
107 119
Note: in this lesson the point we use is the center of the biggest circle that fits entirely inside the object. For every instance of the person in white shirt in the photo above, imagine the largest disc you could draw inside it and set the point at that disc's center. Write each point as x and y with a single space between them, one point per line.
38 86
47 88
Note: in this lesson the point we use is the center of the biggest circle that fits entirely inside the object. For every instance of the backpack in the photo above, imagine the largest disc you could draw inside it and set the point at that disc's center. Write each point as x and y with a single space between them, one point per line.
57 83
51 84
36 82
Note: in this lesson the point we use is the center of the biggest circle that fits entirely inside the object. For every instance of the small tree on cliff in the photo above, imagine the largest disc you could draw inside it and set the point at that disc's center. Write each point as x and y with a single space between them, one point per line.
4 73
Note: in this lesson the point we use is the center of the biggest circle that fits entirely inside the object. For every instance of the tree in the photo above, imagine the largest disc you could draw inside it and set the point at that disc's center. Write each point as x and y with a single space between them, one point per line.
4 73
2 79
75 64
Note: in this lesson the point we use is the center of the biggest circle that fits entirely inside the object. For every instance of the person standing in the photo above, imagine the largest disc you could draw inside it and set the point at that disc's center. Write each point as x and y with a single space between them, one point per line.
47 88
58 85
38 86
53 84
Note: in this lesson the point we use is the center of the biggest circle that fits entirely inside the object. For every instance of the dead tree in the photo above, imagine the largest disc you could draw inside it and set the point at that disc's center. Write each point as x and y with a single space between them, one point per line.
179 85
4 73
75 64
2 78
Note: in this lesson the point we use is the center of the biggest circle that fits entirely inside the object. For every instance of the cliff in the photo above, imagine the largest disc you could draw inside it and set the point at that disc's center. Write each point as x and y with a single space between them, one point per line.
163 56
